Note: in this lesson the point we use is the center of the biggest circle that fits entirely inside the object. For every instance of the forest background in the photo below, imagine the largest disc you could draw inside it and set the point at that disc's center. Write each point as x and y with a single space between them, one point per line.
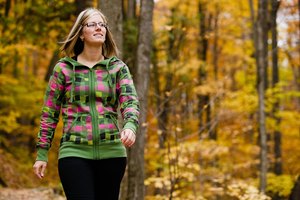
220 95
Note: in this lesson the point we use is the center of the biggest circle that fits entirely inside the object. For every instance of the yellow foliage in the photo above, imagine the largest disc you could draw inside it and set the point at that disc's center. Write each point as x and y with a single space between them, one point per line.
9 122
243 101
189 165
244 191
279 184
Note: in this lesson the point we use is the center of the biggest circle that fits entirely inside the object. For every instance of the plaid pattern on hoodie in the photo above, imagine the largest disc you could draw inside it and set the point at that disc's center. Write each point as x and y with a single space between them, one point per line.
88 99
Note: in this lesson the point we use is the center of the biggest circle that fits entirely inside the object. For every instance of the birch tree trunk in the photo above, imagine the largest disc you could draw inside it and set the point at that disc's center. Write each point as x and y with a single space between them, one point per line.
136 190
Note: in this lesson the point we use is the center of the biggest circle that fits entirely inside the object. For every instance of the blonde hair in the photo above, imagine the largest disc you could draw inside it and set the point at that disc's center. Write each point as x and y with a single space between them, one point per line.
73 44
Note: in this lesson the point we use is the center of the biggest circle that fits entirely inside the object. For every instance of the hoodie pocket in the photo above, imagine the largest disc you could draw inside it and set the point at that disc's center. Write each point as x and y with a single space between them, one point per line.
77 132
108 129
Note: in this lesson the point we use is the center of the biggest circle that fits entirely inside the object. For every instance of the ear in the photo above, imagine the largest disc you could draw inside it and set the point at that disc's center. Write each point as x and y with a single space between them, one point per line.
81 37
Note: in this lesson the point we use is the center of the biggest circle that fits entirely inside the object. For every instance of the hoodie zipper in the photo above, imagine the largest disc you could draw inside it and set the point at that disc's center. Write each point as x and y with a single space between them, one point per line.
94 114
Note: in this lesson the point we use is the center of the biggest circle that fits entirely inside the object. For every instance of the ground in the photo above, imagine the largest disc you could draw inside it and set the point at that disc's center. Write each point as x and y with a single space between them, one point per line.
29 194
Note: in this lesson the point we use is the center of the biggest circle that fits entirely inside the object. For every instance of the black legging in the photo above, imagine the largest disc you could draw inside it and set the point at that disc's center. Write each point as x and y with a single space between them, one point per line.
85 179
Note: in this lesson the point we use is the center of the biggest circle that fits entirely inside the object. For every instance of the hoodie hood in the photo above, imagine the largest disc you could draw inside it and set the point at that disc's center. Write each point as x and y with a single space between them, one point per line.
74 63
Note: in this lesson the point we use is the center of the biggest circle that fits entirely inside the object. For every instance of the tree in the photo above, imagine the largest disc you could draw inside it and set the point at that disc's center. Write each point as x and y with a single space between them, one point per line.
175 40
81 5
130 11
130 32
112 9
295 194
275 80
204 105
261 62
136 153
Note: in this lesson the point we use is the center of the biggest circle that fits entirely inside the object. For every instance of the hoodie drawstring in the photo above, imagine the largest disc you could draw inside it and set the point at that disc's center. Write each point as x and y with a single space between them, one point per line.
110 83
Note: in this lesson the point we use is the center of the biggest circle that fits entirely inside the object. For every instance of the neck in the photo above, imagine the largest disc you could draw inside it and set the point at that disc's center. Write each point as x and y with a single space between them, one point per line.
92 54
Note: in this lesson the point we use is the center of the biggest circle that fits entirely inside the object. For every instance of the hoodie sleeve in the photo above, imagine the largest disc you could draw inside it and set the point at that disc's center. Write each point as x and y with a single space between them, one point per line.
50 112
129 104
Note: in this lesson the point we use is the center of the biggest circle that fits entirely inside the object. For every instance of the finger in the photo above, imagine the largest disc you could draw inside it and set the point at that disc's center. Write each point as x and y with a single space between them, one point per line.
130 139
124 136
37 171
127 137
42 174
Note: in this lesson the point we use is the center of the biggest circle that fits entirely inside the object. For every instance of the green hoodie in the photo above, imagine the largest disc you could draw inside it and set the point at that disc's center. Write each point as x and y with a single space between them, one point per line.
88 99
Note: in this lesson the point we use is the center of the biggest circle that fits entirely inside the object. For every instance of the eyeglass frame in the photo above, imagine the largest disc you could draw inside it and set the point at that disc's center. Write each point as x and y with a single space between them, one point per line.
95 25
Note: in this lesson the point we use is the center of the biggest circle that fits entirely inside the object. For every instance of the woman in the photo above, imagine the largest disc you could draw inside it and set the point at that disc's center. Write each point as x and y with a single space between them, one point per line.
87 86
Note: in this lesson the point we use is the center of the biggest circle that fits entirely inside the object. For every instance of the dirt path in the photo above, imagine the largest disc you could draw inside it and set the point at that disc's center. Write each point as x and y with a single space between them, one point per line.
29 194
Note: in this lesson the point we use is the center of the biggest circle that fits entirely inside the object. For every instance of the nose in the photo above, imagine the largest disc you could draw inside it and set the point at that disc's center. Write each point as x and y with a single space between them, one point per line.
98 27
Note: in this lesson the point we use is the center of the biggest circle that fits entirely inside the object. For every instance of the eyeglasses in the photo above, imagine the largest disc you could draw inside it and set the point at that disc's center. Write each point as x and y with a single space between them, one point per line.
95 24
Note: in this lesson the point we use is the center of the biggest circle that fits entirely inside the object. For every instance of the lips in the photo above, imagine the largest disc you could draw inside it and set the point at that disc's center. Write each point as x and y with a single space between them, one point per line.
98 34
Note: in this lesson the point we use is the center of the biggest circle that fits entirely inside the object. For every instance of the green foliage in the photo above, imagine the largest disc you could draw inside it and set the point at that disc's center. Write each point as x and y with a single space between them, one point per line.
130 39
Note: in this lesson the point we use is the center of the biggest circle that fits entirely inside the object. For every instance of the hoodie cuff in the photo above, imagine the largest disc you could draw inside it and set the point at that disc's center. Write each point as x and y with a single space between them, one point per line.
42 155
131 126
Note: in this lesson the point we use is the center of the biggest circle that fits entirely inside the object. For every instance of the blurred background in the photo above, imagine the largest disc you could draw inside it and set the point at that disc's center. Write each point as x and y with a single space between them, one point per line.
223 98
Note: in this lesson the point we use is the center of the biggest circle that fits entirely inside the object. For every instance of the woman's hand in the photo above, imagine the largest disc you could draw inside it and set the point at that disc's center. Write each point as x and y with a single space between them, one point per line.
39 168
127 137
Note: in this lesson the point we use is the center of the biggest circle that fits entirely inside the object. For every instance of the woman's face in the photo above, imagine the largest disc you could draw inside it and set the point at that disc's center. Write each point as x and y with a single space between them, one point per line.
94 30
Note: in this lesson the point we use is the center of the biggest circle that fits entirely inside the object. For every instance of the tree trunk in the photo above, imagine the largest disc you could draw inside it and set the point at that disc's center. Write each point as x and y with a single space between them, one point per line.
81 5
15 64
35 57
160 107
136 190
113 10
295 194
131 5
130 32
261 57
213 129
54 59
7 7
275 80
216 38
175 40
254 37
203 99
266 28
